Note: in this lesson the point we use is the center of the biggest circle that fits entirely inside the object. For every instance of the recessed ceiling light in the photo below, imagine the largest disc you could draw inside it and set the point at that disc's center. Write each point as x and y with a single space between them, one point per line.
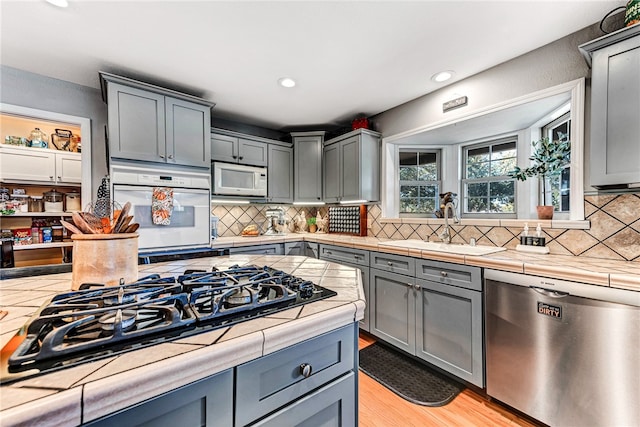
442 76
59 3
286 82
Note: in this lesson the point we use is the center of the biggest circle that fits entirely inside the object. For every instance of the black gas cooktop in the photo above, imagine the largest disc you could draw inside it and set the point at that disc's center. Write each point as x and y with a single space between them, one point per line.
99 321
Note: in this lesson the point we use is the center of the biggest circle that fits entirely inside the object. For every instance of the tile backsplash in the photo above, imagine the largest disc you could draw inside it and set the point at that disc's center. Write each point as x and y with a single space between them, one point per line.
232 219
614 231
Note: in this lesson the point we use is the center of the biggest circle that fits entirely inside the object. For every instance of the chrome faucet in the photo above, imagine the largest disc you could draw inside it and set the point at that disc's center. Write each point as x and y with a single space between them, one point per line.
445 236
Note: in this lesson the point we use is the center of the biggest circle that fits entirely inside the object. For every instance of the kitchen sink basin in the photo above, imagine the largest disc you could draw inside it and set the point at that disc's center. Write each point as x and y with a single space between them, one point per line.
451 248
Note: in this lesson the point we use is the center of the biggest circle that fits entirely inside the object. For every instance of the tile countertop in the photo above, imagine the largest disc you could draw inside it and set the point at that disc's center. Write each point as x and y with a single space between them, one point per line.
594 271
89 391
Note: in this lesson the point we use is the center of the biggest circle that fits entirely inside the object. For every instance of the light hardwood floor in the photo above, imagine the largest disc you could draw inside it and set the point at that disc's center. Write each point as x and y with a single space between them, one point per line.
380 407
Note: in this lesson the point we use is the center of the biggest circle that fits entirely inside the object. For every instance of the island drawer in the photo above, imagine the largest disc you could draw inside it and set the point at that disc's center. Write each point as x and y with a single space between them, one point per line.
270 382
341 254
393 263
465 276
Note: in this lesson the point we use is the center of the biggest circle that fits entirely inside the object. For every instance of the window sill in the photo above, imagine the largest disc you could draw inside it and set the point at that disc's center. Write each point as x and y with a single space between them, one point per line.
519 223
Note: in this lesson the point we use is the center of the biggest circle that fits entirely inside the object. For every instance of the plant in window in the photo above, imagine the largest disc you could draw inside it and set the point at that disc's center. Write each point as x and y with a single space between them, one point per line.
549 159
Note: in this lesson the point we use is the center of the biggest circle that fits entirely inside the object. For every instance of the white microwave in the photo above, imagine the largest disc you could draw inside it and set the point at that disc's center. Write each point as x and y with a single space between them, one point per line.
239 180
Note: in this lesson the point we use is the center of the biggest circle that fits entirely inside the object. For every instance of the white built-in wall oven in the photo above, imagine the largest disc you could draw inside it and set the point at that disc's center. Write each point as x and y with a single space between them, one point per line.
189 224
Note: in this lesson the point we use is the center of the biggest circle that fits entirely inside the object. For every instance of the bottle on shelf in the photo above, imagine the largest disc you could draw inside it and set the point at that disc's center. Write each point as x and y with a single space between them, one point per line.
35 232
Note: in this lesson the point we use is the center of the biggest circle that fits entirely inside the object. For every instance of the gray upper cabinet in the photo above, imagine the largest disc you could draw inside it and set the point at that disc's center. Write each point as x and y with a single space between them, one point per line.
331 175
307 166
154 124
232 149
352 167
280 174
615 108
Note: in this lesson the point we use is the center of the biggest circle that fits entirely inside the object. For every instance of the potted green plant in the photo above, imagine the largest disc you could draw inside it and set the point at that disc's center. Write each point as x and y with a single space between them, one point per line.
311 222
549 159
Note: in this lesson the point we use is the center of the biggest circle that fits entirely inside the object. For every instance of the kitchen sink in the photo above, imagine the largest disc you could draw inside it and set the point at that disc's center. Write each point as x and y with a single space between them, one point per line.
451 248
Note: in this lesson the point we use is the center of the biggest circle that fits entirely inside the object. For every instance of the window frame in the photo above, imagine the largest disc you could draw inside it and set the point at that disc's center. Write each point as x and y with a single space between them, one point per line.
547 131
437 182
575 94
464 180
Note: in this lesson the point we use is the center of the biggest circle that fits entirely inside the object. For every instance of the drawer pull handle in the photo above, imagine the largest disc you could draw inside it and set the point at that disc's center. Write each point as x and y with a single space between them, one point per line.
305 370
328 252
443 274
389 263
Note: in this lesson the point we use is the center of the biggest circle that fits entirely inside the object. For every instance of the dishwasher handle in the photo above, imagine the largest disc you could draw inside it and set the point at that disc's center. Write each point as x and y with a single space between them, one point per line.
549 292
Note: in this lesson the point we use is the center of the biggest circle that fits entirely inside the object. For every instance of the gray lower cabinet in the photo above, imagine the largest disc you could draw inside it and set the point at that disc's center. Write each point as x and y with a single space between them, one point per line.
324 366
309 249
464 276
392 312
153 124
268 249
280 174
430 309
307 166
393 263
331 405
433 311
341 254
208 402
449 329
615 108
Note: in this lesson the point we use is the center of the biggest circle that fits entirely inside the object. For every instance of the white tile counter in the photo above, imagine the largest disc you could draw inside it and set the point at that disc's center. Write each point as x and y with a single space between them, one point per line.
86 392
595 271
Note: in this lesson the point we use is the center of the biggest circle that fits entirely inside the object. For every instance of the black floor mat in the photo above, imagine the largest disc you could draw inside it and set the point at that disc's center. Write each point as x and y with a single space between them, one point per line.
408 378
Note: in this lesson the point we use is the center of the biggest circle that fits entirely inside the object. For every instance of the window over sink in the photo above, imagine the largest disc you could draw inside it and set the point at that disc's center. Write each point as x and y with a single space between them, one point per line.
475 153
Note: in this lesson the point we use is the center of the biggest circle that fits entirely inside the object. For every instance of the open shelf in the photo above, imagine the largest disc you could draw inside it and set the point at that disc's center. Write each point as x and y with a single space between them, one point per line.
42 246
38 214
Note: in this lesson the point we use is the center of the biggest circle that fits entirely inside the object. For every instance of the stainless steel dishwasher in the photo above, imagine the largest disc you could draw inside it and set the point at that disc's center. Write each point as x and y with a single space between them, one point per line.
565 353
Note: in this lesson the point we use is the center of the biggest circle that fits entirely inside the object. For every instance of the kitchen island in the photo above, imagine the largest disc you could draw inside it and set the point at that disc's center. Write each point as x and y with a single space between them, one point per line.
91 391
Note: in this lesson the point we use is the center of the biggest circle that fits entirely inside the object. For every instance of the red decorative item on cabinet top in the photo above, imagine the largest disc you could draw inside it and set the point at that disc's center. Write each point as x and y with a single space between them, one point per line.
360 123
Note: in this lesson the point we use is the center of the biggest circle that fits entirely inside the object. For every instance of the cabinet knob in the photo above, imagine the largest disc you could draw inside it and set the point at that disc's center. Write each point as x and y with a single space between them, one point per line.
444 274
416 287
234 157
410 285
389 263
240 158
162 156
305 370
51 177
171 156
59 178
328 252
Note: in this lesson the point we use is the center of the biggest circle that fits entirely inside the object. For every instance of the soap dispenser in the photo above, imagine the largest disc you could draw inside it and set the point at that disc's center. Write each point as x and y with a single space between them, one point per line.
525 234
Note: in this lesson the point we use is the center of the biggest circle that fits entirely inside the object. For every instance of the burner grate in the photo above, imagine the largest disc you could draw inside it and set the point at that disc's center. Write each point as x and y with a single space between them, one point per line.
99 321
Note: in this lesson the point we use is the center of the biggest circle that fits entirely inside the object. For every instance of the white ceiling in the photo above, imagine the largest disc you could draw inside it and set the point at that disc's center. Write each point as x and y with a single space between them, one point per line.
349 57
